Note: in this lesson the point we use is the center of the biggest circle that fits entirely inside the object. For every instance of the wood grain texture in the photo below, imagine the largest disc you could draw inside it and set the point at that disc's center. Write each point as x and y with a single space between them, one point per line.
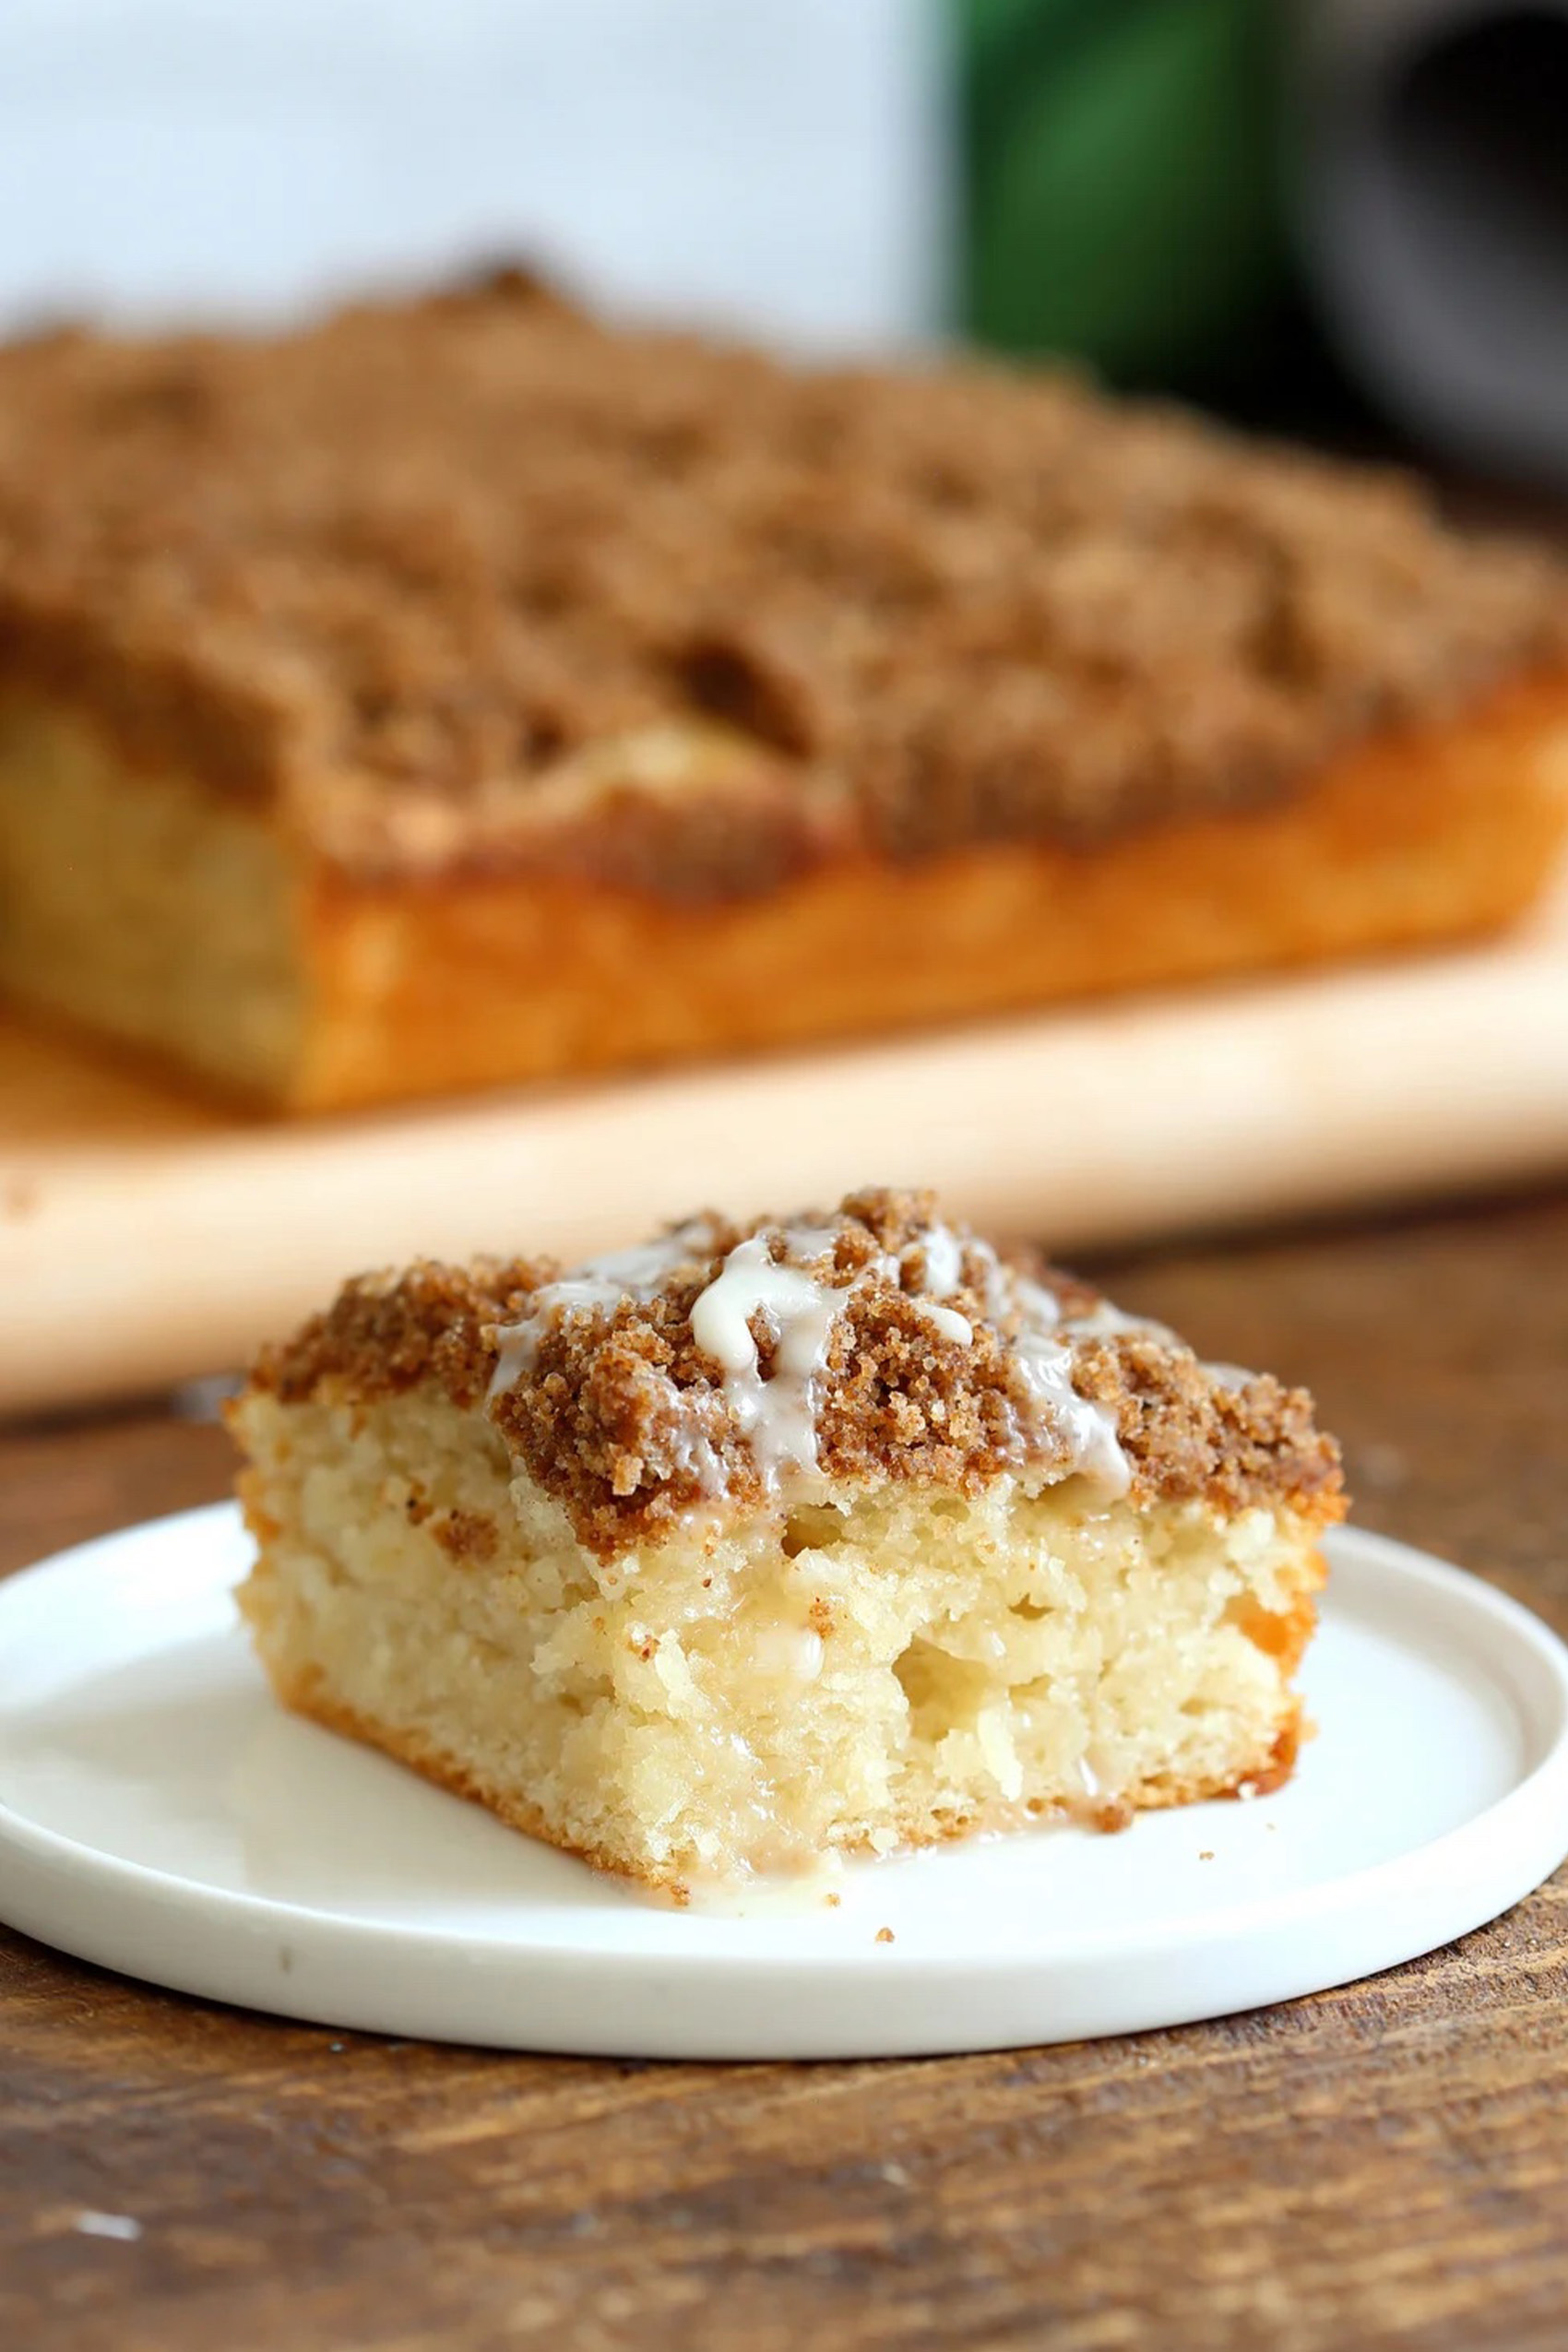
1383 2165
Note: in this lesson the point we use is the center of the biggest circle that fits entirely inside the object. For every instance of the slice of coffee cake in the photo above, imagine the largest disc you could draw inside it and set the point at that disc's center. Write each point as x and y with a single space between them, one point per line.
769 1541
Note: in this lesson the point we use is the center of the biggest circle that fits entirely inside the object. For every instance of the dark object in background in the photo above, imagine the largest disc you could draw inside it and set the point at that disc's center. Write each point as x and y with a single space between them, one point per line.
1336 219
1121 202
1431 190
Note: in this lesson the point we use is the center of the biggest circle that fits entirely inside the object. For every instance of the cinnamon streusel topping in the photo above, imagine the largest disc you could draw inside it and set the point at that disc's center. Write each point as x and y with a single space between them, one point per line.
726 1368
477 581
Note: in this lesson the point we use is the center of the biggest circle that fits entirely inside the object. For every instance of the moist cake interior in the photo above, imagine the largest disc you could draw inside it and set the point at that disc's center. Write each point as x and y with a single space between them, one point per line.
760 1544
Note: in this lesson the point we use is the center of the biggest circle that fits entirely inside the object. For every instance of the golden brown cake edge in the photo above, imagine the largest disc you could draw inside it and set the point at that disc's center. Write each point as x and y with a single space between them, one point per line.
1416 838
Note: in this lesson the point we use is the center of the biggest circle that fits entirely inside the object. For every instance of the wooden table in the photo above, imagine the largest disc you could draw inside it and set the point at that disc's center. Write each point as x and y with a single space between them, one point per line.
1385 2164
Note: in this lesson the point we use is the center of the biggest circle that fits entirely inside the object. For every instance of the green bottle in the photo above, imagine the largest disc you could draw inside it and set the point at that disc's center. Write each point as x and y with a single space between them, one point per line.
1121 203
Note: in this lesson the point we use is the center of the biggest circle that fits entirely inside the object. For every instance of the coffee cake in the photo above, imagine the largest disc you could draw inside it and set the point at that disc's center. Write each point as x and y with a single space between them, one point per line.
461 691
771 1541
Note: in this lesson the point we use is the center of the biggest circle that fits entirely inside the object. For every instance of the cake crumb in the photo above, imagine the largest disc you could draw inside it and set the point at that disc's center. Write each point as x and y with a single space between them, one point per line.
884 1935
833 1901
1206 1854
108 2225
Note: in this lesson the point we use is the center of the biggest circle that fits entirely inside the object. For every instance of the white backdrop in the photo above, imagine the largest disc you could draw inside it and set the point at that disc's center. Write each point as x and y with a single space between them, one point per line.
782 163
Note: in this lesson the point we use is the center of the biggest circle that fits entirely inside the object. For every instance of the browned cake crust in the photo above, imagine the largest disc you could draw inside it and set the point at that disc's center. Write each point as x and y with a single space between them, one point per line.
552 657
621 1413
1434 834
395 571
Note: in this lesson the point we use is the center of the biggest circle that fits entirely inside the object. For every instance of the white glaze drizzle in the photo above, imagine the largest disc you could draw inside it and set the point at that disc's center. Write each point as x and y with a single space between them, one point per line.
941 1273
1040 1307
1042 1348
1045 1360
778 1415
944 1253
638 1274
1105 1322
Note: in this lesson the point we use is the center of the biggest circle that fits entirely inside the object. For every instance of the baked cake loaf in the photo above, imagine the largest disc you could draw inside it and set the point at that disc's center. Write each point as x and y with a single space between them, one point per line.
460 692
774 1541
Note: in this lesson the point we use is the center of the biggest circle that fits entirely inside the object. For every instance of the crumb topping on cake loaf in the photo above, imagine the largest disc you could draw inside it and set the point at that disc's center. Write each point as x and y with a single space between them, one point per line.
725 1368
477 582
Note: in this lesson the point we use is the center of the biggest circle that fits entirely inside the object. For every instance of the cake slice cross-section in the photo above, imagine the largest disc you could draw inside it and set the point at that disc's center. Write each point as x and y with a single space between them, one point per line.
769 1542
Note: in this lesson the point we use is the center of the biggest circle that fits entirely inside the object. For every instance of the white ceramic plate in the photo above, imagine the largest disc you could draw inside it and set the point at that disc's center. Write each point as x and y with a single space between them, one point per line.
159 1813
